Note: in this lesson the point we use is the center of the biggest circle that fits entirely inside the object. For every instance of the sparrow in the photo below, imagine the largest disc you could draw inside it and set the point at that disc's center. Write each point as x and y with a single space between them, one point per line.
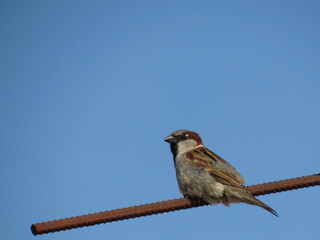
204 176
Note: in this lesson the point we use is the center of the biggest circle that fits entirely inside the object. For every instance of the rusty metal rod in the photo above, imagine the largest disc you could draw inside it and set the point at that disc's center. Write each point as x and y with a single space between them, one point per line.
165 206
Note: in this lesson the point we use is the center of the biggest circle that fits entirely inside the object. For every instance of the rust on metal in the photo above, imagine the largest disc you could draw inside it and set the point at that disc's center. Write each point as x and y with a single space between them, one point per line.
285 185
164 206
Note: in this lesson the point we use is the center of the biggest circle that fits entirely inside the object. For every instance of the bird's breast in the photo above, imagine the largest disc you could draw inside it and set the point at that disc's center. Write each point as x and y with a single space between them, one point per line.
191 179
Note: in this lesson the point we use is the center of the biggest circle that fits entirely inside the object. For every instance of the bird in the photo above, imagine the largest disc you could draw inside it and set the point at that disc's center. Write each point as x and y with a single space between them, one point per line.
204 176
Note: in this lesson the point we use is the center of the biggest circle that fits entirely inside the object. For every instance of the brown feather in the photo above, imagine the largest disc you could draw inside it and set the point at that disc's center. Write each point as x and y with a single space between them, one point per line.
203 158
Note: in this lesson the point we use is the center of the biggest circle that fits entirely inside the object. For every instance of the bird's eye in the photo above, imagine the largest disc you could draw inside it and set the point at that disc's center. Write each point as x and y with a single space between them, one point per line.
182 137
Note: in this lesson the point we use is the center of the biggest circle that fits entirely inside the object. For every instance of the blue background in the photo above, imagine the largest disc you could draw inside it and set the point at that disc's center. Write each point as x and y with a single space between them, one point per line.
89 89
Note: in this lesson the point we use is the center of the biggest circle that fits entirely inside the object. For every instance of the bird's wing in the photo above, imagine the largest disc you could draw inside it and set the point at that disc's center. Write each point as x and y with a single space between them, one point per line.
219 169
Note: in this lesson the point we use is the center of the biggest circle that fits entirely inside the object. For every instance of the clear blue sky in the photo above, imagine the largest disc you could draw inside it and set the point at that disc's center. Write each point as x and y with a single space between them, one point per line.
89 89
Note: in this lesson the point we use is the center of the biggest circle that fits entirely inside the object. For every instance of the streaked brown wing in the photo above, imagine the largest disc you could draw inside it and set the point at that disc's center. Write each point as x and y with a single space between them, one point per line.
218 167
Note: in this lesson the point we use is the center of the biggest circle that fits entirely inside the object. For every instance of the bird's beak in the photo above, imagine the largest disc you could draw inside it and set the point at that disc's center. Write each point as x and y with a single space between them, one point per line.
170 139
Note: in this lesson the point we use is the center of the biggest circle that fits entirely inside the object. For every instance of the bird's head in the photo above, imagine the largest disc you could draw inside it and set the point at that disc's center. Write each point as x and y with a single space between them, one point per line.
183 141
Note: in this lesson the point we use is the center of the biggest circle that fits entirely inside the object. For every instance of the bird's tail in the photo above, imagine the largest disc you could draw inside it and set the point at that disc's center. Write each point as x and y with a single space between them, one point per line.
254 201
246 197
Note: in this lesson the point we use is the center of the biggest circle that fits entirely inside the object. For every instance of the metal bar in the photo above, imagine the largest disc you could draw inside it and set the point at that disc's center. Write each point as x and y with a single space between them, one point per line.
164 206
